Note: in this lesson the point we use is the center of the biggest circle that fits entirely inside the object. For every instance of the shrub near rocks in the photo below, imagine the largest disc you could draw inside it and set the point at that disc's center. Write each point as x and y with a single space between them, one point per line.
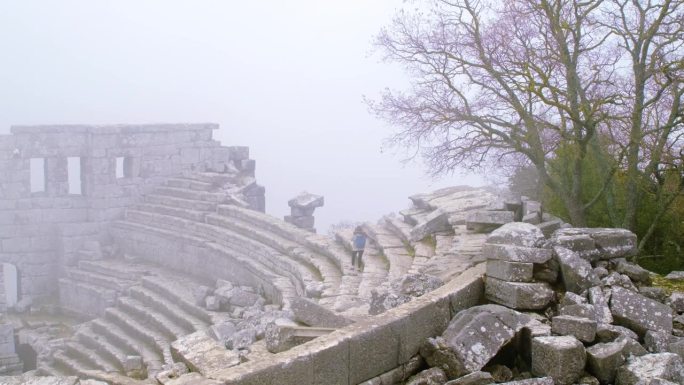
597 322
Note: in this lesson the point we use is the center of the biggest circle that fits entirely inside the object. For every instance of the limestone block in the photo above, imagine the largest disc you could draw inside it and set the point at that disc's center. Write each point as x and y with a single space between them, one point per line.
561 358
532 218
435 221
581 310
657 342
531 381
473 337
310 313
600 302
584 329
516 253
432 376
212 303
475 378
192 379
518 295
675 276
664 366
529 207
577 273
635 272
631 347
603 359
607 332
677 301
373 350
7 347
483 221
241 339
518 234
639 313
301 222
306 200
570 298
510 271
133 364
549 227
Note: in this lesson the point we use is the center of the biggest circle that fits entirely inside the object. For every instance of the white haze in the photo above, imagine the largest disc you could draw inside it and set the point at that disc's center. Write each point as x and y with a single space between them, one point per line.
285 78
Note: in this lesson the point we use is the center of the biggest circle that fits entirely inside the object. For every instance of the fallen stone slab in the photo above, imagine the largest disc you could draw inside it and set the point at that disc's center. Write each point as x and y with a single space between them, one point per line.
519 295
562 358
200 353
531 381
675 276
580 310
485 221
608 243
517 234
584 329
310 313
657 342
510 271
608 332
635 272
570 298
600 302
434 222
192 379
473 337
577 273
306 200
677 301
639 313
281 336
550 227
513 253
475 378
432 376
664 366
603 360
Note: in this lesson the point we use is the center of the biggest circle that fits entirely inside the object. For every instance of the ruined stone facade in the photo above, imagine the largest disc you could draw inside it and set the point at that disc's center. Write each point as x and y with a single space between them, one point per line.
45 229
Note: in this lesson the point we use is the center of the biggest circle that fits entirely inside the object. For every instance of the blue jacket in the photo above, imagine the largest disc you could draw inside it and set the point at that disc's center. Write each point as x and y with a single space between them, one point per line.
358 242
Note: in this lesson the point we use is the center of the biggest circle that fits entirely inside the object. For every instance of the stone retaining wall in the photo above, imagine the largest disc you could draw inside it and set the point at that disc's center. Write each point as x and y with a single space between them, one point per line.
367 348
41 231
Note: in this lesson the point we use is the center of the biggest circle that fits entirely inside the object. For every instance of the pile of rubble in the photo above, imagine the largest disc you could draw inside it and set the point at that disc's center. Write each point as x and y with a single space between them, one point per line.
567 309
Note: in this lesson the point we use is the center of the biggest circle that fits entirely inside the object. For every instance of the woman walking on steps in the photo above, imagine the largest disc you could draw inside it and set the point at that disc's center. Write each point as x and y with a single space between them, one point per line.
358 244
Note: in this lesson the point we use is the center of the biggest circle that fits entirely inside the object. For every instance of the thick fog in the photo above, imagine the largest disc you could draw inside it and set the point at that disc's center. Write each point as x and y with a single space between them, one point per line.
285 78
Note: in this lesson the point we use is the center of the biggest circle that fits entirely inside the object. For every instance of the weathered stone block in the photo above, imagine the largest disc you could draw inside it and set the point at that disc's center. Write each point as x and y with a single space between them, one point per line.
561 358
518 295
577 273
598 299
677 301
639 313
518 234
313 314
482 221
665 366
475 378
510 271
603 359
516 253
583 329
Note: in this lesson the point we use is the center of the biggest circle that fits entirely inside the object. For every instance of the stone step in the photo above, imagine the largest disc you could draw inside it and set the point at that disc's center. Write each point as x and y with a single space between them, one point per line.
190 184
185 319
51 371
115 354
193 215
157 321
131 228
93 358
315 242
90 277
399 228
315 264
140 331
167 294
84 298
213 178
265 254
165 200
75 367
214 197
127 342
118 270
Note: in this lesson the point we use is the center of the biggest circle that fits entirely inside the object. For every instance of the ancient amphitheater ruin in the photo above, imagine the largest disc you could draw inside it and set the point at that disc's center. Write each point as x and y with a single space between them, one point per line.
141 254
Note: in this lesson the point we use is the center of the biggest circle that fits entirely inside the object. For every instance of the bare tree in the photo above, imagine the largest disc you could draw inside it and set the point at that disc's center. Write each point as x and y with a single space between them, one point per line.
497 82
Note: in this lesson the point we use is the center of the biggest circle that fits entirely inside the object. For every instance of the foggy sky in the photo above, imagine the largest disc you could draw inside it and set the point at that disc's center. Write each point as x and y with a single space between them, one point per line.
285 78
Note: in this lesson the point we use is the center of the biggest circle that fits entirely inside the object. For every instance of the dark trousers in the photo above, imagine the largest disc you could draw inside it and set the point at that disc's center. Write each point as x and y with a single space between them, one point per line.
355 255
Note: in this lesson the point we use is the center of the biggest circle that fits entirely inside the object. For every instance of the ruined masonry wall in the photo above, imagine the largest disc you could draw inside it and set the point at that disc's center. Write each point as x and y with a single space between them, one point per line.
39 232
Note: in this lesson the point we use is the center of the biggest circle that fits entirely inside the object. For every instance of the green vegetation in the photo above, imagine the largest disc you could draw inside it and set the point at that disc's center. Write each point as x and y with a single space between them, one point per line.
669 286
